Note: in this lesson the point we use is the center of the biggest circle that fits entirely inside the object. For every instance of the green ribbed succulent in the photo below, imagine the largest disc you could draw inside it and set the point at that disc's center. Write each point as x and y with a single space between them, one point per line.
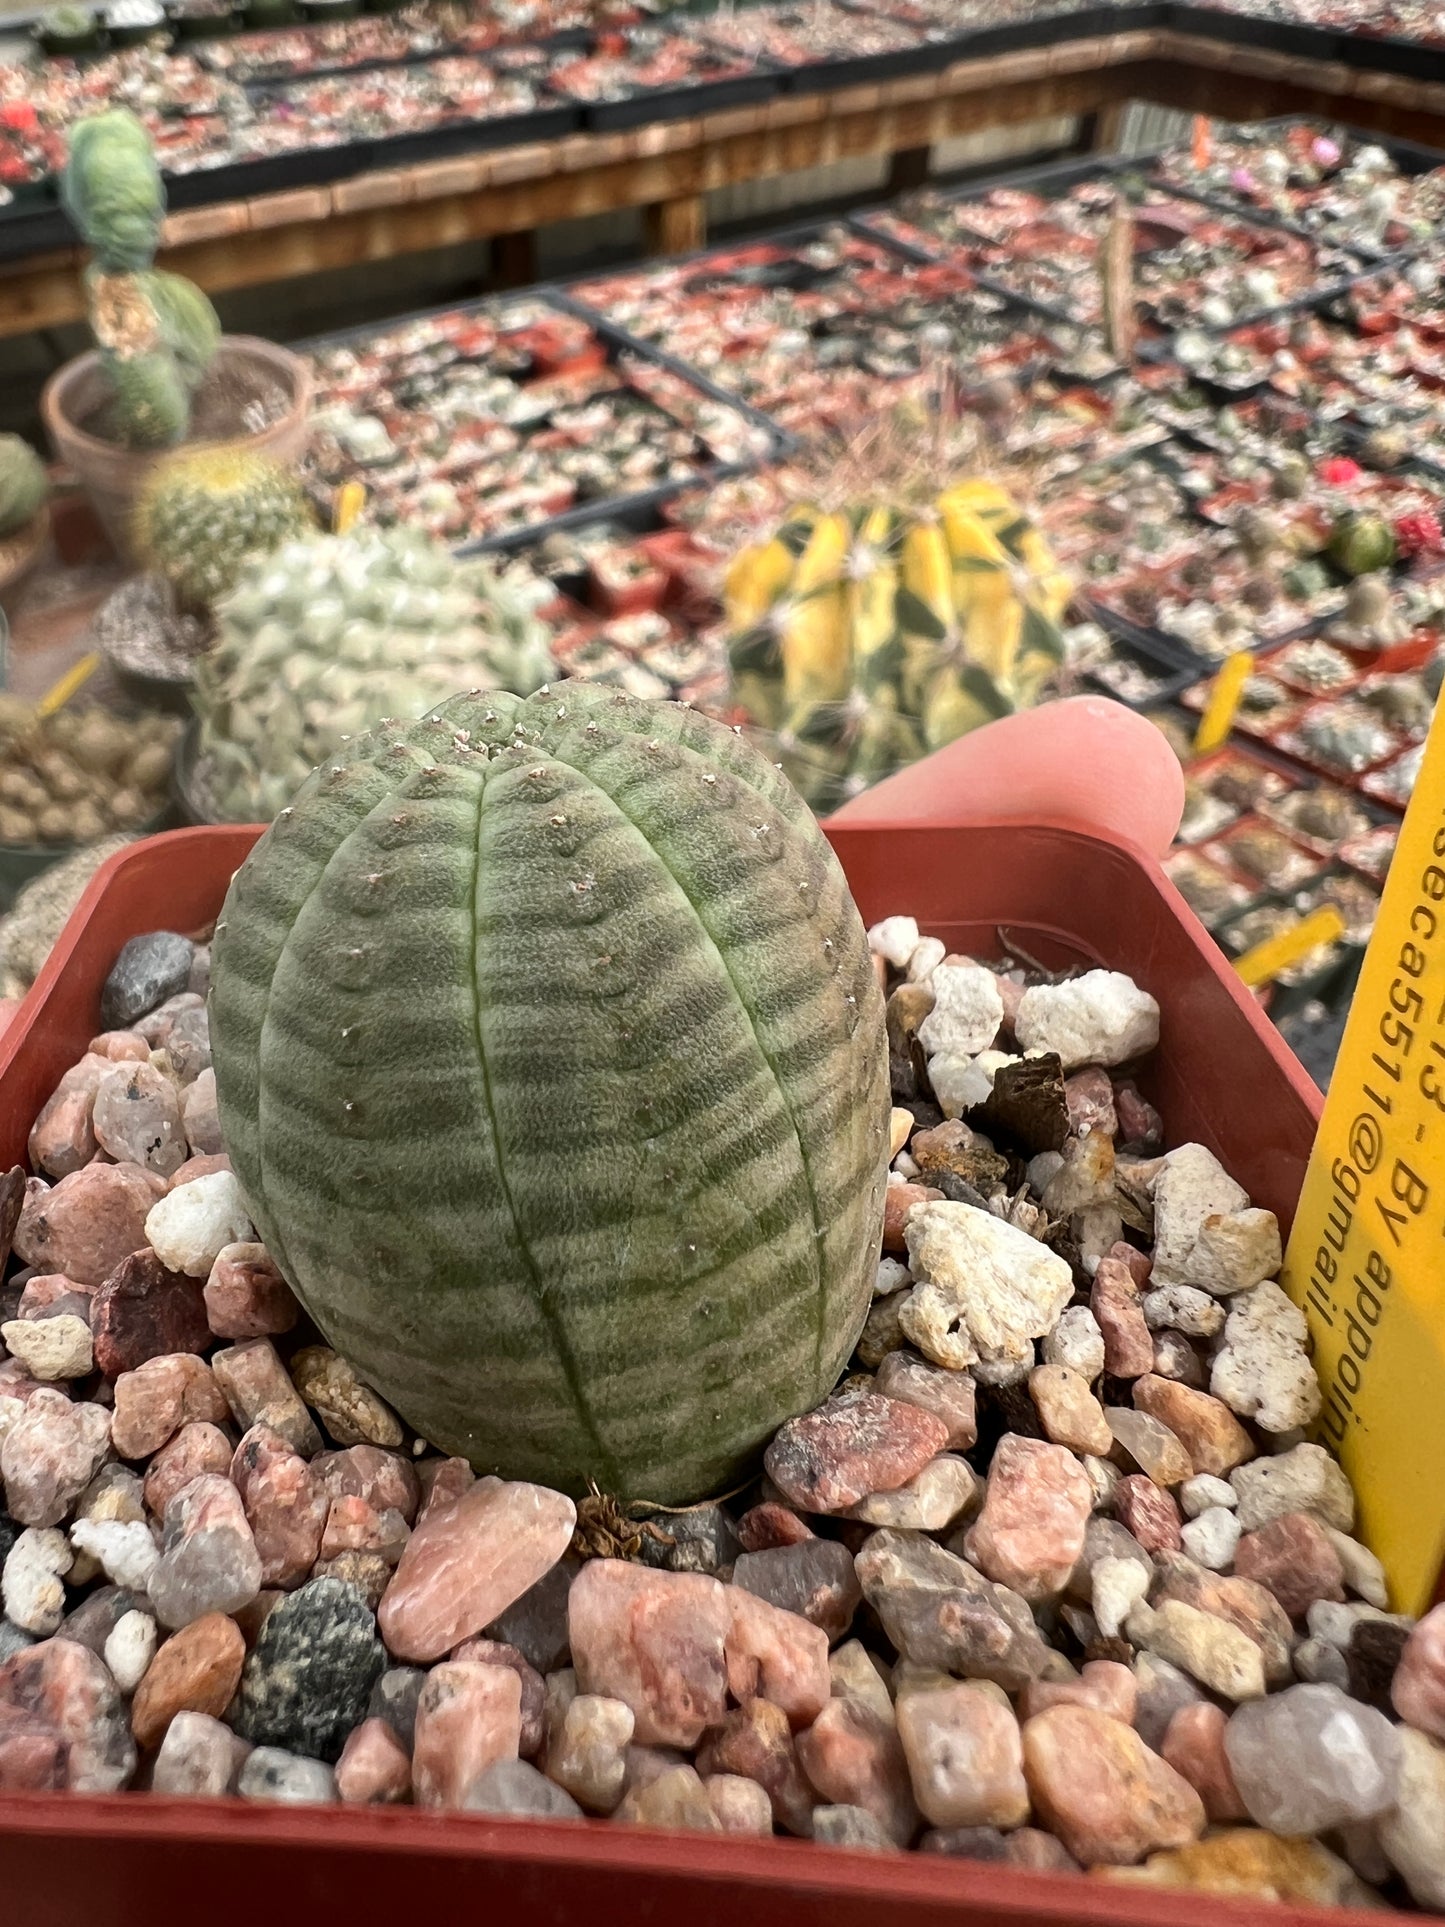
205 514
325 637
157 332
551 1063
23 485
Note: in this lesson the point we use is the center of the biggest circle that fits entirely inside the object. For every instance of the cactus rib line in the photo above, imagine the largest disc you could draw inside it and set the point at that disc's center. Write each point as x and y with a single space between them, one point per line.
606 1469
820 1296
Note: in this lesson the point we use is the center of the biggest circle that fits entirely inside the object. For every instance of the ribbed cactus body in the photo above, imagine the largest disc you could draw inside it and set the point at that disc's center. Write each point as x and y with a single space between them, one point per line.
151 406
865 636
23 487
205 514
326 636
157 332
551 1062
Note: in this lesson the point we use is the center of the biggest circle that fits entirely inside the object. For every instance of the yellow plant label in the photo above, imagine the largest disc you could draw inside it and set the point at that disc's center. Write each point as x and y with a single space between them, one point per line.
1366 1258
1218 718
350 501
1266 960
60 693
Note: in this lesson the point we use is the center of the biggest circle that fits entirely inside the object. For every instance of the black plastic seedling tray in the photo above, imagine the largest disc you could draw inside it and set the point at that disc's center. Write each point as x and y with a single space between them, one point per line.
542 123
1177 669
1388 53
268 174
1255 30
652 104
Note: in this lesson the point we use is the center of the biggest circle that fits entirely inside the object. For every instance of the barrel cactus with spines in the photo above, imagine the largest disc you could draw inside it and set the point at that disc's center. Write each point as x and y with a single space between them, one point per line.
911 601
205 514
23 487
551 1063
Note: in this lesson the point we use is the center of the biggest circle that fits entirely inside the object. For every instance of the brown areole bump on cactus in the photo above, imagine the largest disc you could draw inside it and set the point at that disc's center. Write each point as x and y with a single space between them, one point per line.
551 1061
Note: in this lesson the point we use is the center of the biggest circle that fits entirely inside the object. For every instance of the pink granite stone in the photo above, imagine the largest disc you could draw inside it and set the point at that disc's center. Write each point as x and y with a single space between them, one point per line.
260 1392
1037 1505
50 1454
765 1527
145 1311
137 1118
196 1448
384 1479
443 1481
1292 1557
62 1138
1090 1099
1115 1303
204 1166
374 1769
1149 1512
33 1756
1417 1691
495 1652
120 1047
1194 1746
88 1222
246 1296
1209 1432
354 1525
467 1563
48 1288
285 1506
1099 1788
468 1717
209 1562
776 1655
154 1401
965 1756
1103 1684
68 1691
756 1743
854 1445
853 1757
657 1642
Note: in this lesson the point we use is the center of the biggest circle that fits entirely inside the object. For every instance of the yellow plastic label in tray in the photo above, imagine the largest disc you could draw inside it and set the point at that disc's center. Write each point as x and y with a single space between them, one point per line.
1366 1258
1263 963
1224 694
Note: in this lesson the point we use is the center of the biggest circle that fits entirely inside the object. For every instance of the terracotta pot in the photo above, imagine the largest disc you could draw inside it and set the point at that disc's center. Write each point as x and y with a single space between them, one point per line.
112 476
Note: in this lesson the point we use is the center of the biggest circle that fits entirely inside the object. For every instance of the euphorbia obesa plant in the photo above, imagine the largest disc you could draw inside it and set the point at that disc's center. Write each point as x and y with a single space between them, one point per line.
552 1064
157 332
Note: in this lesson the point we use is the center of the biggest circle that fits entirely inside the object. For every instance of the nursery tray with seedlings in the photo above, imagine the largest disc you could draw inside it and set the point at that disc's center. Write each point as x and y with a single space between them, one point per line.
478 422
815 328
1039 238
822 44
651 73
1362 192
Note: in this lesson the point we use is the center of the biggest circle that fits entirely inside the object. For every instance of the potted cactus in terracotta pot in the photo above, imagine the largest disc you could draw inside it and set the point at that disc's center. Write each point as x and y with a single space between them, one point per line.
161 372
24 522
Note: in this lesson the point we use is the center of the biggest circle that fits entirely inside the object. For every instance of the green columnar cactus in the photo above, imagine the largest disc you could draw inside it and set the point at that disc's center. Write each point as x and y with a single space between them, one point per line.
23 487
551 1063
157 332
206 513
324 637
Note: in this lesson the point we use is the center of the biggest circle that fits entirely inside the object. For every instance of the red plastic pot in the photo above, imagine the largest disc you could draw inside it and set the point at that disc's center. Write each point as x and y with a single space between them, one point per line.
134 1861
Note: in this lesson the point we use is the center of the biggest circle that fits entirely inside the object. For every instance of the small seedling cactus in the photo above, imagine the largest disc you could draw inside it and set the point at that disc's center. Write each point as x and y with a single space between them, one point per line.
206 513
321 639
157 332
23 486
